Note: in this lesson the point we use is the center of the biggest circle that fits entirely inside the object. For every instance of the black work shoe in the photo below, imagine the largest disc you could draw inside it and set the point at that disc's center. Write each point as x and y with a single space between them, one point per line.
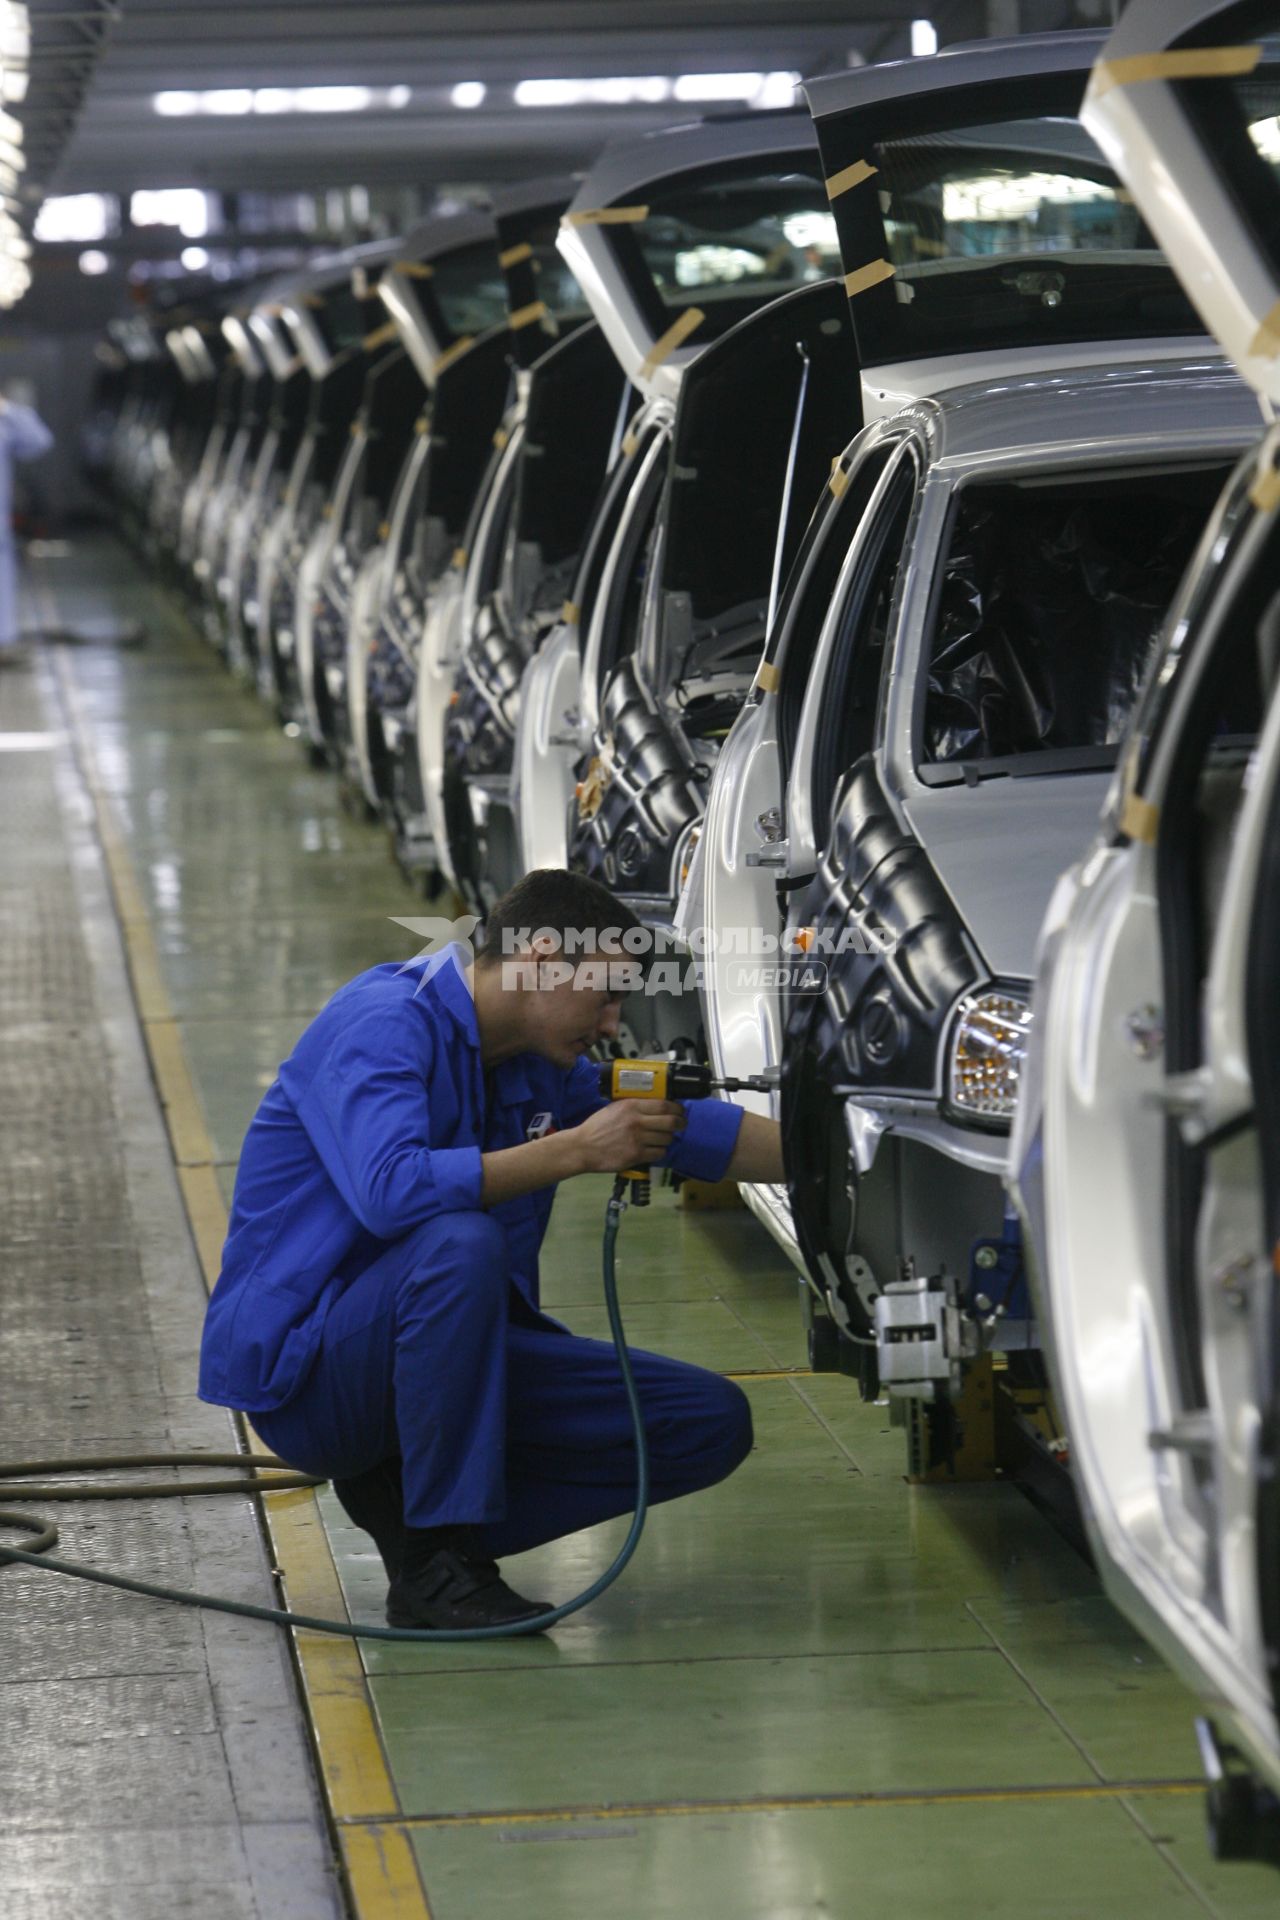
447 1580
374 1500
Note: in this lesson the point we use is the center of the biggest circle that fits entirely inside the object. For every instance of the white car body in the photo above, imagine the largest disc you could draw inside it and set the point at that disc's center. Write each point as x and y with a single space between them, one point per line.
1141 1134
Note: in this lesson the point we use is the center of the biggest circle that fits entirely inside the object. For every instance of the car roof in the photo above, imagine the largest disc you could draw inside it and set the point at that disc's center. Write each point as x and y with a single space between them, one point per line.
1137 404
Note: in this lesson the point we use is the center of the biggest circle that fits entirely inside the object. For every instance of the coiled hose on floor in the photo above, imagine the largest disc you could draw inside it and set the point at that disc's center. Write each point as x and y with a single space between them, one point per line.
282 1478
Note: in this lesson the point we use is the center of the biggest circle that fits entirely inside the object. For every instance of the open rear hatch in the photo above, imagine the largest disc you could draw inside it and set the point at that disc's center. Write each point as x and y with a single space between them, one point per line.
977 220
675 237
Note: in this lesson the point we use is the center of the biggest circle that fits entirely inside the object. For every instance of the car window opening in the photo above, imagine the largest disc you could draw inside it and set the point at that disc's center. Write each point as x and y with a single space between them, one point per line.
1048 609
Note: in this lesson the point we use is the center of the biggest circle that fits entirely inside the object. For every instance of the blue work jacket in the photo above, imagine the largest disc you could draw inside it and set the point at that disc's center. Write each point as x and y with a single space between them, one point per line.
374 1124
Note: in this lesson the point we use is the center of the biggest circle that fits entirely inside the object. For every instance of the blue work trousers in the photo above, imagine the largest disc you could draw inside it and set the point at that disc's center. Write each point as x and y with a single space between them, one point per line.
502 1419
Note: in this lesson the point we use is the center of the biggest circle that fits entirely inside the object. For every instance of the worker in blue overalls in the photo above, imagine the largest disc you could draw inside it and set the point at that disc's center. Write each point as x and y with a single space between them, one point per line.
377 1311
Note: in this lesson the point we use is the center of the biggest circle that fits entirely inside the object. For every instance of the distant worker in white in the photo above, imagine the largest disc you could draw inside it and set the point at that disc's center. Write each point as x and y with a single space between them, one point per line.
23 436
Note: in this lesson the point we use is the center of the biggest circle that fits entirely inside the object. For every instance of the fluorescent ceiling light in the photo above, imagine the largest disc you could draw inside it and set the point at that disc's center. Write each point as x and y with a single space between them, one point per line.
333 99
779 90
13 83
73 216
193 258
228 100
469 93
94 262
234 101
644 90
924 38
718 86
398 97
186 208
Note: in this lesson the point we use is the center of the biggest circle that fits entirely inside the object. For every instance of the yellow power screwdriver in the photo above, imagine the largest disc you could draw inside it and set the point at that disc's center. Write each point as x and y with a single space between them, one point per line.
668 1080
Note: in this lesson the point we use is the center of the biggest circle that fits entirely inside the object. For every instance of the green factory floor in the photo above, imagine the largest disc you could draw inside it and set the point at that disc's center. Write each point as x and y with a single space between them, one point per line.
818 1691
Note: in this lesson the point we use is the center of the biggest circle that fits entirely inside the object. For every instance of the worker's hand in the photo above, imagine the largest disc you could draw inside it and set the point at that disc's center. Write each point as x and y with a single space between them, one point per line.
628 1133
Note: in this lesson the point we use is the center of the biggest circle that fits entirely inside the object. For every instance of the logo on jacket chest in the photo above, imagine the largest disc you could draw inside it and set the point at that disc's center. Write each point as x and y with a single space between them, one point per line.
540 1126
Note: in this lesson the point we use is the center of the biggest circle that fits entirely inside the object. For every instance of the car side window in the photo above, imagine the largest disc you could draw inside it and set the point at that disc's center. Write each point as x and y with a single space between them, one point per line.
851 693
812 582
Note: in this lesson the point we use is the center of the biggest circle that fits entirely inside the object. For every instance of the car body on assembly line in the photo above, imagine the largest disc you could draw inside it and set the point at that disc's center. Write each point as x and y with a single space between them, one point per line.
1146 1152
931 167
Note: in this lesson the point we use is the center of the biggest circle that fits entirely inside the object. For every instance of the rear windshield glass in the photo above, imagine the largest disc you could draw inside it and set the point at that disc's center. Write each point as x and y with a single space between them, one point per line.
342 318
556 285
468 290
738 236
1050 602
1007 234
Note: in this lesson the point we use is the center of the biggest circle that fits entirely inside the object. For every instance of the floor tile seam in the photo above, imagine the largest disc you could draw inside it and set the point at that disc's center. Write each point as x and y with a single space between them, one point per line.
1181 1873
759 1338
770 1658
826 1425
888 1799
324 1742
1035 1693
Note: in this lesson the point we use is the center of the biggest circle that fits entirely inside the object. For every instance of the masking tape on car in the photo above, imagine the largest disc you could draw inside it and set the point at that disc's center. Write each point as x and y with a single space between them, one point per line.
605 217
380 337
422 424
528 316
384 530
450 354
1187 63
500 438
630 441
675 336
459 558
869 276
512 256
570 613
849 177
1264 494
768 679
1140 819
1266 341
839 479
414 269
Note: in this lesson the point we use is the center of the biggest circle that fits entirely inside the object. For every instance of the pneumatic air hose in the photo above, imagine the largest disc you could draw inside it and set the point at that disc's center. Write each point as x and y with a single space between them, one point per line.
37 1554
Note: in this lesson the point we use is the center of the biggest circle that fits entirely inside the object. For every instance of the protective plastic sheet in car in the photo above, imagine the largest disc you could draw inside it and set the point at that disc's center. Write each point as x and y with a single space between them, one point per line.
1050 602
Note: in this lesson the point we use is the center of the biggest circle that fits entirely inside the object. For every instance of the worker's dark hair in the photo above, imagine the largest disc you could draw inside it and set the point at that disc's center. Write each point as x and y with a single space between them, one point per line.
573 907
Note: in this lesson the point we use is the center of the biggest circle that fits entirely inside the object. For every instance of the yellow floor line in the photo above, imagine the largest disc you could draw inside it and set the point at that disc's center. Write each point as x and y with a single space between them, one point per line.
382 1876
800 1803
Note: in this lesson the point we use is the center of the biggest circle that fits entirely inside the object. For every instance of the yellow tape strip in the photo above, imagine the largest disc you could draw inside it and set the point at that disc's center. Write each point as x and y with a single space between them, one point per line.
413 269
630 441
353 1767
501 438
1264 494
839 481
459 558
422 424
675 336
382 1873
605 217
1140 820
1266 341
571 613
849 177
380 337
450 354
871 275
512 256
528 316
768 679
1192 63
